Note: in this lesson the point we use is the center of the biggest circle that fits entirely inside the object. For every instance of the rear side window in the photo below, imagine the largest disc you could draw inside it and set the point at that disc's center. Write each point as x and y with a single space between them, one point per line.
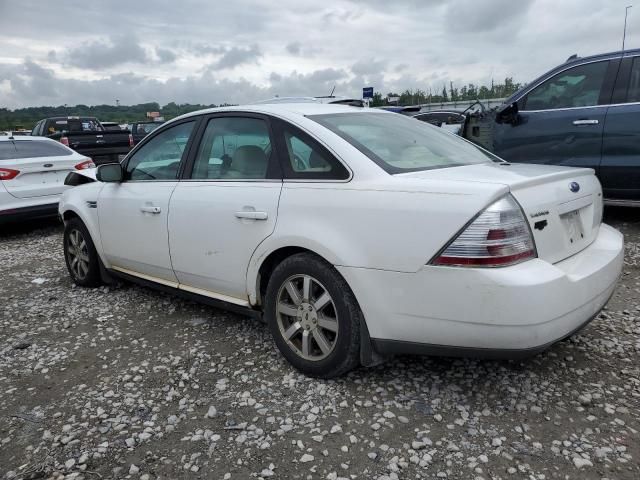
14 150
73 125
576 87
304 158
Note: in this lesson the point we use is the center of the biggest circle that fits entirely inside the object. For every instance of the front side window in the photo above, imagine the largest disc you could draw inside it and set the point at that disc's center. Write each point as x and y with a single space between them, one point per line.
400 144
577 87
13 150
159 158
305 159
234 148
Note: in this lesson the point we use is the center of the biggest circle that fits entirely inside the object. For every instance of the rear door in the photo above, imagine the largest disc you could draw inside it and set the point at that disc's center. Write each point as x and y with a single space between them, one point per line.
620 166
42 165
561 120
133 214
226 207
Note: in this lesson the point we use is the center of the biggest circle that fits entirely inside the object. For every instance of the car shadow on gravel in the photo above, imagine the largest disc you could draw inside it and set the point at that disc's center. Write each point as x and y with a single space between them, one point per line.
30 227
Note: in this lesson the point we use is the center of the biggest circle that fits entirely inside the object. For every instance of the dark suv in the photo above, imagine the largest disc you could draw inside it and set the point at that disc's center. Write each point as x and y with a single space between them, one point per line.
583 113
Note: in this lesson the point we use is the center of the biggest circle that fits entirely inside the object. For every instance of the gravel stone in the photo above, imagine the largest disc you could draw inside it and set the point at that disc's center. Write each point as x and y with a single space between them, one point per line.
119 380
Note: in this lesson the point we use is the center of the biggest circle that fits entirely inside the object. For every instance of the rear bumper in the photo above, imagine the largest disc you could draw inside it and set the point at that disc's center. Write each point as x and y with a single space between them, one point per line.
503 312
104 155
28 213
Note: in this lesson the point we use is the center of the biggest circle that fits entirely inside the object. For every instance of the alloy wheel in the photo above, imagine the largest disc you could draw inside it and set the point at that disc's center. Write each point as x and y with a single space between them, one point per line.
307 317
78 254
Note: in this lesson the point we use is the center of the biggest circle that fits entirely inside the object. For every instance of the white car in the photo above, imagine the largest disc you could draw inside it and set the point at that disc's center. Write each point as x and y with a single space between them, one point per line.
355 233
32 174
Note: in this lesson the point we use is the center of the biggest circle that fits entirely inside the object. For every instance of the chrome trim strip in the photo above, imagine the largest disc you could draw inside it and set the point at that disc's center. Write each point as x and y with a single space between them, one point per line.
575 108
613 202
161 281
187 288
217 296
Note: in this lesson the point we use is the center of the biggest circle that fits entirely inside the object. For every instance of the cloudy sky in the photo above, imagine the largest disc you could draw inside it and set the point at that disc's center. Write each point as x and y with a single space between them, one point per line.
236 51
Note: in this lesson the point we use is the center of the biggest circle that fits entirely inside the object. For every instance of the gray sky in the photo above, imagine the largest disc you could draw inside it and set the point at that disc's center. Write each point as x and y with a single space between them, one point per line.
52 53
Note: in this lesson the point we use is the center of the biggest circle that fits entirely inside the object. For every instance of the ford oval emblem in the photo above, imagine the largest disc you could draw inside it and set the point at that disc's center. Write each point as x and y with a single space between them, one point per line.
574 187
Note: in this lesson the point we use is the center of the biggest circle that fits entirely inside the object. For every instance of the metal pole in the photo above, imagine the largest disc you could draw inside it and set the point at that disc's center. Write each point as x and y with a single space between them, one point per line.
624 33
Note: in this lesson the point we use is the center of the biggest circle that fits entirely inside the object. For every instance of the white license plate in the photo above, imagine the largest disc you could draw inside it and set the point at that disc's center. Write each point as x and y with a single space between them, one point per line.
573 225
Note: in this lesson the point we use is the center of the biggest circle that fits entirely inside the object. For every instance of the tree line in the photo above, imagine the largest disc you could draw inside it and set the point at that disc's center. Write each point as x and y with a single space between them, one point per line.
28 117
450 93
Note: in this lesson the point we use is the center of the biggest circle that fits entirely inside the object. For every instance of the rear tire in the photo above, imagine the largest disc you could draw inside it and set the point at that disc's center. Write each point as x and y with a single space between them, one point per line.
80 254
313 316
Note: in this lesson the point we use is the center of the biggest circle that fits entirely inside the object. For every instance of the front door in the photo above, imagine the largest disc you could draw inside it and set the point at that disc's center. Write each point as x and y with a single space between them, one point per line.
133 214
229 205
560 121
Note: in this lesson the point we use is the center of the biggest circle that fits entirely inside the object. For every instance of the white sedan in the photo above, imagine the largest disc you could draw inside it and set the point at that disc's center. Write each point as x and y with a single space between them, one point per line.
354 233
32 174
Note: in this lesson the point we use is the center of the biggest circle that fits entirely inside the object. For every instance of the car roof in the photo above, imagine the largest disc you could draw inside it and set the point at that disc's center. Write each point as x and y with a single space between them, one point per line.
286 109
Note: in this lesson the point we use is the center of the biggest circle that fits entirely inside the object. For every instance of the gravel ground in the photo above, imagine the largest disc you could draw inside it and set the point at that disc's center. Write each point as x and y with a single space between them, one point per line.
129 383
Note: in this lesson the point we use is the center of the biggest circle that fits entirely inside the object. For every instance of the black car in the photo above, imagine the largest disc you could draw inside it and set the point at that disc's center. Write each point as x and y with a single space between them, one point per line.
583 113
440 117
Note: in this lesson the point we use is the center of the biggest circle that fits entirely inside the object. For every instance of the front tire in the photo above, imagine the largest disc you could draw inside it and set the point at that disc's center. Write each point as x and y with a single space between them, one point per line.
80 254
313 316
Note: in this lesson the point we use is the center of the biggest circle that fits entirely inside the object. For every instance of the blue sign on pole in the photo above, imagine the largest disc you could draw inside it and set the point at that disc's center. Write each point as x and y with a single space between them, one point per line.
367 92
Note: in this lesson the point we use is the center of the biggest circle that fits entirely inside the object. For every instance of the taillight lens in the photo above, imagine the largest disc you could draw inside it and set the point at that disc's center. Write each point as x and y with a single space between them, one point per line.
64 141
84 165
130 141
498 237
8 173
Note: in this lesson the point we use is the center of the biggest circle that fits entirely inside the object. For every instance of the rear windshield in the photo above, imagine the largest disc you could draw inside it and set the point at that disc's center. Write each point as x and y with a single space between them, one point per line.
14 150
400 144
73 125
145 128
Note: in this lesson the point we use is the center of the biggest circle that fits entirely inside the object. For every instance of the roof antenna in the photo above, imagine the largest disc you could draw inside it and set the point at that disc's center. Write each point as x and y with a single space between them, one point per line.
333 90
624 33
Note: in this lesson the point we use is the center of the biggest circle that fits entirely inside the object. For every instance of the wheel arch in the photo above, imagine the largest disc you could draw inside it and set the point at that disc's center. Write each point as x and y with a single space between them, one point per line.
268 254
90 220
270 259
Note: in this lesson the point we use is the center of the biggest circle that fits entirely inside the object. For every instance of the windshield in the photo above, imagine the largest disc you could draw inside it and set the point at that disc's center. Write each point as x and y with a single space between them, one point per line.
402 144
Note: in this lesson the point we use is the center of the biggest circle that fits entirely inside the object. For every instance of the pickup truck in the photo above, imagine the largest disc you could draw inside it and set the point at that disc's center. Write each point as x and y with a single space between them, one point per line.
583 113
87 136
139 130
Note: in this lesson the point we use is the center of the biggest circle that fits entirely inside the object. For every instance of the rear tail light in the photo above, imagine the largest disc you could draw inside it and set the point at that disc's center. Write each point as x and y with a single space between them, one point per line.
8 173
130 141
497 237
64 141
84 165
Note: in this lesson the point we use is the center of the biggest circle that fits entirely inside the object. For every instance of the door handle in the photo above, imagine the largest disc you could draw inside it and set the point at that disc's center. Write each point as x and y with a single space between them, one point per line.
252 215
147 209
585 122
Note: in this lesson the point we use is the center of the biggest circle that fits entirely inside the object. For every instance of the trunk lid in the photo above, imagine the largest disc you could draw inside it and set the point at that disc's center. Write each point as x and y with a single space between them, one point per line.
40 176
563 206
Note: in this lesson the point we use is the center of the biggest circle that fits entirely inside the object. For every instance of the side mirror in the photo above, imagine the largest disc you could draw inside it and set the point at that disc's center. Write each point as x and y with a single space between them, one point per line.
110 172
508 114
